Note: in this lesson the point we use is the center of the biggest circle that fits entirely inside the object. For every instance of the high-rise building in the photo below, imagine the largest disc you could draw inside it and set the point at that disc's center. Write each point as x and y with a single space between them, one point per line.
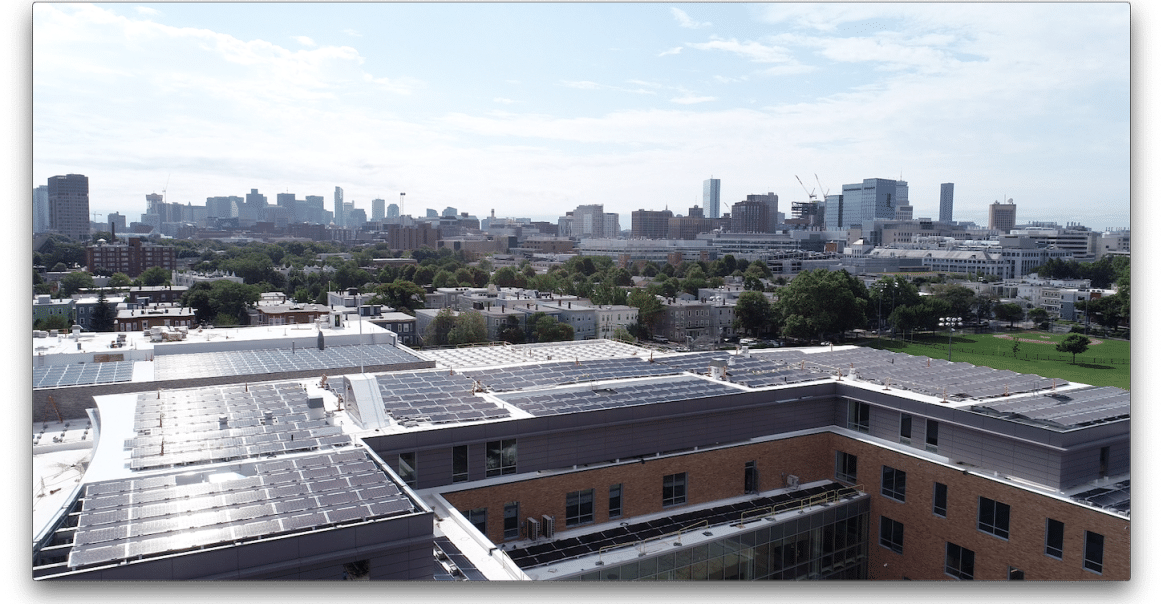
68 201
1003 216
117 220
946 214
449 212
223 207
40 210
750 216
649 224
711 198
378 209
393 211
338 216
872 199
772 201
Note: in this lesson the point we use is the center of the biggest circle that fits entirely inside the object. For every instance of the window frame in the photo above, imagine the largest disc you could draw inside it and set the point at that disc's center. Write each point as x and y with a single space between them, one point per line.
501 457
615 511
993 517
483 515
1091 547
409 475
512 530
859 416
1055 538
957 558
941 494
674 489
892 535
842 459
460 463
906 429
932 434
578 510
893 483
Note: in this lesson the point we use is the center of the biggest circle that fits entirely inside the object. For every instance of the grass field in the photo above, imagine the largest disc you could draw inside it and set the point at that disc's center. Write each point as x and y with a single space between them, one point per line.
1105 364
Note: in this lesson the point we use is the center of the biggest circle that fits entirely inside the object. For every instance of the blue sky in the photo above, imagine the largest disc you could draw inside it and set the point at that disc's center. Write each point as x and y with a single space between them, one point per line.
530 110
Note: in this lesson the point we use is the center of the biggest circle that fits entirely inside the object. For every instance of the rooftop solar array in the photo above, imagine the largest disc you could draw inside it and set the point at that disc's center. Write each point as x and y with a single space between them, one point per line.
575 547
568 372
276 360
1116 498
933 377
558 402
435 397
181 427
126 519
489 356
456 559
1069 409
756 371
78 374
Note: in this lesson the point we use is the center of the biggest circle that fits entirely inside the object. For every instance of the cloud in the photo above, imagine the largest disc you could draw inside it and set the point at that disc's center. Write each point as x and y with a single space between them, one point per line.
587 85
353 33
673 51
304 40
581 85
145 10
684 20
750 50
504 101
690 100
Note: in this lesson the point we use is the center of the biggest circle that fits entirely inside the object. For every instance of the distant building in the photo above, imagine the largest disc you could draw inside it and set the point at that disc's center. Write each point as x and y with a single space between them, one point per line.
750 217
772 201
393 210
132 257
378 209
946 214
41 218
68 200
711 198
649 224
1003 216
116 219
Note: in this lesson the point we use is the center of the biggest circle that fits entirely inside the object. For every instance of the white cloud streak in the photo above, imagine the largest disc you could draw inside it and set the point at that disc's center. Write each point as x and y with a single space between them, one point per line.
684 20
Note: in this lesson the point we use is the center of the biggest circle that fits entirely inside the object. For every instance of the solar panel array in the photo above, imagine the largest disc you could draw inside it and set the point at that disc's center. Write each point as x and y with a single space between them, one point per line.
1073 408
568 372
754 372
934 377
1116 497
184 426
489 356
125 519
276 360
435 397
458 561
622 395
78 374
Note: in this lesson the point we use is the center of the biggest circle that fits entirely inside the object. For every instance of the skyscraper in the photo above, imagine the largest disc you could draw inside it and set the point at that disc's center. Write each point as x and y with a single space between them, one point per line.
946 214
393 210
872 199
68 201
378 209
711 198
40 210
338 217
772 201
1003 216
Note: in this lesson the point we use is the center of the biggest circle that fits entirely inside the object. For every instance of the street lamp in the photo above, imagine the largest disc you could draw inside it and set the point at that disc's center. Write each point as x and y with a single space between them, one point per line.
952 323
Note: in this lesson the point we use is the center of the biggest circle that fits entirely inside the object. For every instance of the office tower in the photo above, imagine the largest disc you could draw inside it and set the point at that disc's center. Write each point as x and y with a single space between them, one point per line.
946 214
872 199
356 218
1003 216
772 201
834 212
117 219
393 210
589 221
223 207
256 200
378 209
649 224
711 198
430 213
338 216
40 211
750 217
68 201
904 213
449 212
610 226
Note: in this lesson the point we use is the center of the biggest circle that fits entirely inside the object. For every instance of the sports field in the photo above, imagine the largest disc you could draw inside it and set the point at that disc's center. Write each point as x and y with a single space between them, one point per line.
1105 363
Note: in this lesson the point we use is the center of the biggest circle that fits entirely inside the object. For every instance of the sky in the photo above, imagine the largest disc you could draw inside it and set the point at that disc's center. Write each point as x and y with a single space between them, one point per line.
528 110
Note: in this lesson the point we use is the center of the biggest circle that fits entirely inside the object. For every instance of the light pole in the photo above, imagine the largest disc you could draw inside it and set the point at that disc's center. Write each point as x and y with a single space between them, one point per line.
952 323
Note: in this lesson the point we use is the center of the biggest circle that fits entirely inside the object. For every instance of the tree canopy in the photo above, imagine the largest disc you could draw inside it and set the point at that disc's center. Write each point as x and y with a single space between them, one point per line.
104 316
221 302
1075 344
821 302
753 313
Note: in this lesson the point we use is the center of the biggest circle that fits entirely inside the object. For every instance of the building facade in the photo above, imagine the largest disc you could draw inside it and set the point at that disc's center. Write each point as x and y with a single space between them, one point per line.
68 201
1003 216
711 198
132 257
946 212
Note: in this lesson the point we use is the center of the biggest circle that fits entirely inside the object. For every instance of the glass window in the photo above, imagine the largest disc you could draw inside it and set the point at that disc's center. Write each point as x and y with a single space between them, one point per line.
892 534
1055 531
931 427
1092 555
940 499
579 507
480 519
615 501
502 457
906 428
958 561
512 520
858 416
460 463
674 489
750 477
892 483
1104 458
845 467
407 468
993 517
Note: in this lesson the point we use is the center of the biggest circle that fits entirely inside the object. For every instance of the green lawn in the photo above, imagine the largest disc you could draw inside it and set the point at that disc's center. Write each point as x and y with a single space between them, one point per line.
1105 364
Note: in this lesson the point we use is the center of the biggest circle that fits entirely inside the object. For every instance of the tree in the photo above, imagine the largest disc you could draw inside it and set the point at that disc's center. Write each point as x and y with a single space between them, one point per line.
512 331
821 302
1017 345
221 302
51 322
1008 312
753 313
622 335
959 297
154 276
74 281
649 308
1038 315
120 280
1075 344
469 328
507 276
436 334
548 329
401 295
104 317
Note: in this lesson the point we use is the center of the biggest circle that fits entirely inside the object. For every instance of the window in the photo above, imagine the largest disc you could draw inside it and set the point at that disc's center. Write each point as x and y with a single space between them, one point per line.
615 500
958 561
674 489
407 468
906 428
892 534
1104 458
460 463
512 520
480 519
1092 555
750 478
1055 531
931 434
502 457
892 483
993 517
858 416
940 499
845 467
579 507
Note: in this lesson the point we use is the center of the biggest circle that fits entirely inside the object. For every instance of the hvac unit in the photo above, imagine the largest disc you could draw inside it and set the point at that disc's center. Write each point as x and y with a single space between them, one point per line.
532 528
793 481
547 526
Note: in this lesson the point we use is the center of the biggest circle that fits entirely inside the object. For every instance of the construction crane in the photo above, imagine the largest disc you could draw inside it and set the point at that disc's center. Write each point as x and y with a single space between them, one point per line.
823 191
811 194
95 215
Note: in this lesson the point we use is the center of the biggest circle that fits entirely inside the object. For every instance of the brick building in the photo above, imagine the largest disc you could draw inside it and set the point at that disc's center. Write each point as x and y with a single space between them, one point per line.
131 258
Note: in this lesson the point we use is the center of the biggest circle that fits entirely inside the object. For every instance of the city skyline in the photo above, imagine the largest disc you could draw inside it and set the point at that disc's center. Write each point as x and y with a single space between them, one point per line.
631 106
